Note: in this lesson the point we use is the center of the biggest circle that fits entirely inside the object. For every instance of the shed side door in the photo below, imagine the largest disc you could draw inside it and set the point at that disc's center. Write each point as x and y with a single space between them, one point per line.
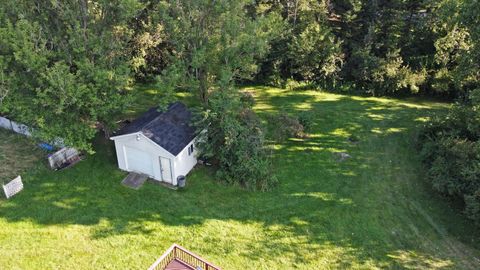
139 161
166 168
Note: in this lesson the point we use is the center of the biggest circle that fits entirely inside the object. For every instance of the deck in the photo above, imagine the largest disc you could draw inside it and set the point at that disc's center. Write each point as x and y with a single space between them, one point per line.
178 258
178 265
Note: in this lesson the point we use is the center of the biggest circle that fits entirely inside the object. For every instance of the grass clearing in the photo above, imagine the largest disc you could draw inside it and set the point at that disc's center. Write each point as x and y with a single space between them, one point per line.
372 211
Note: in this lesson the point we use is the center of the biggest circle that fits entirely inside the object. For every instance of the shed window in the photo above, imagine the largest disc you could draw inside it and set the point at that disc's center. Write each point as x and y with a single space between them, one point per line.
190 149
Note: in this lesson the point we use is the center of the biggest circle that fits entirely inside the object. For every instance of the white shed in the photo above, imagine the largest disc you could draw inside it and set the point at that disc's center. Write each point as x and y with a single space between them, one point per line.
158 144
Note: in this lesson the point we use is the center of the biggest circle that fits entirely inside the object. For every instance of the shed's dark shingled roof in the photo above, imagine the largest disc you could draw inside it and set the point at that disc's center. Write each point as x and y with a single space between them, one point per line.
170 129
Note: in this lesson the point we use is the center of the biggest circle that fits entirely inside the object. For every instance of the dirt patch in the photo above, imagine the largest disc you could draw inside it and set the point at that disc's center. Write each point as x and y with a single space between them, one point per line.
17 155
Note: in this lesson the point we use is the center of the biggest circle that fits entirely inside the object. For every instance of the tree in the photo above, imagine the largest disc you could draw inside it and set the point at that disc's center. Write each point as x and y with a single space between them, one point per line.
233 138
385 43
305 48
450 145
66 66
315 52
457 48
213 42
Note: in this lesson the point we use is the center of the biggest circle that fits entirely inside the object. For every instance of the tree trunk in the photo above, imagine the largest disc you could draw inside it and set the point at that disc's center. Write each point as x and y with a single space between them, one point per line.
203 88
84 11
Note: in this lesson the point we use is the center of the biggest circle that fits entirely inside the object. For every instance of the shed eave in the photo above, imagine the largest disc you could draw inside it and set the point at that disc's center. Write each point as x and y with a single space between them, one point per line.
113 138
125 135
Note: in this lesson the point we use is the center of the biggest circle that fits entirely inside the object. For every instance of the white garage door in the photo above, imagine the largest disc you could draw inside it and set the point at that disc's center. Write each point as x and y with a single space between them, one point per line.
138 161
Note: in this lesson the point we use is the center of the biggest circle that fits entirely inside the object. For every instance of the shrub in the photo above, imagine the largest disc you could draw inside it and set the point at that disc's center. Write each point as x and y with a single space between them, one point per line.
472 206
292 84
287 126
247 99
306 119
450 150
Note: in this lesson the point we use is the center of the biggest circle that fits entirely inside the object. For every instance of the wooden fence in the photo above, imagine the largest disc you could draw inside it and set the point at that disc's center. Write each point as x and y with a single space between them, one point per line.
176 252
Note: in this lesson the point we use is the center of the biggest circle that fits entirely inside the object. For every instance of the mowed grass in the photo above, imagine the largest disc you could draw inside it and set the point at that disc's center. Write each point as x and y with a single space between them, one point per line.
372 211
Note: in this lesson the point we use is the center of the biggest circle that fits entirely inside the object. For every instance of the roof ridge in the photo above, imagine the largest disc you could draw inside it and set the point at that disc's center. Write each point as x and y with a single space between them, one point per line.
171 129
163 113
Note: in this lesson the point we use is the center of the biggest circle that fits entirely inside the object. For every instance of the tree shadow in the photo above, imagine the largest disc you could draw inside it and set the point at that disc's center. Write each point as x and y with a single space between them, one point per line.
357 208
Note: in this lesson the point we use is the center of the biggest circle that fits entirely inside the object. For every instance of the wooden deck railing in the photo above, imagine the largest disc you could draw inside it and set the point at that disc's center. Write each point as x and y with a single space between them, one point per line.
176 252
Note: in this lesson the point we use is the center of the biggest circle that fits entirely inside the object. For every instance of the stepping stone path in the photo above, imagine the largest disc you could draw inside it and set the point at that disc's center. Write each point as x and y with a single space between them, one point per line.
134 180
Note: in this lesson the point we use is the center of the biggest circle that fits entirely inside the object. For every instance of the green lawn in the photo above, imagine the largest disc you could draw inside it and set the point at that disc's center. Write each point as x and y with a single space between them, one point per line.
372 211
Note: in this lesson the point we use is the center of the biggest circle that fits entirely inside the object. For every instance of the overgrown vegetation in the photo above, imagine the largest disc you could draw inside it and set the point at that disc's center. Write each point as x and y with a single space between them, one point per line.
233 138
65 65
450 148
286 126
450 144
380 47
207 58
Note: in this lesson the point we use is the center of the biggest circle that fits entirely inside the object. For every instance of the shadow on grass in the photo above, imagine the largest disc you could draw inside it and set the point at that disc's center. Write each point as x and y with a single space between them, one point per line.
362 206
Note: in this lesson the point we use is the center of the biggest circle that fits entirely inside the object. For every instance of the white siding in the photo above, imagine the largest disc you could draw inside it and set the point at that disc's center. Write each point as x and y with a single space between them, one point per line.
145 145
184 163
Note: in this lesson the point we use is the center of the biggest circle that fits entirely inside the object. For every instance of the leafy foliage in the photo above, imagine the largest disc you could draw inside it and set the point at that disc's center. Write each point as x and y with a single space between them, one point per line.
287 126
233 137
306 119
213 43
450 149
450 145
65 66
305 47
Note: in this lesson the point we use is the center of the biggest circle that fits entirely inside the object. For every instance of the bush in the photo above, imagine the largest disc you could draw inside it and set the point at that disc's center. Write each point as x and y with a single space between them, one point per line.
472 206
287 127
291 84
307 120
450 150
247 99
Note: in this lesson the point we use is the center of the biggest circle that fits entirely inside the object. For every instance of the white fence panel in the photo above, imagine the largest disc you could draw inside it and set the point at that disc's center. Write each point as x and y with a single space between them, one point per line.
15 127
5 123
20 129
25 130
13 187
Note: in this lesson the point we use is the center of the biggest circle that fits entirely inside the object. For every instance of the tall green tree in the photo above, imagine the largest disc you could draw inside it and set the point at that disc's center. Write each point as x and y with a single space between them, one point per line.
65 65
305 48
457 48
380 40
213 43
233 138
